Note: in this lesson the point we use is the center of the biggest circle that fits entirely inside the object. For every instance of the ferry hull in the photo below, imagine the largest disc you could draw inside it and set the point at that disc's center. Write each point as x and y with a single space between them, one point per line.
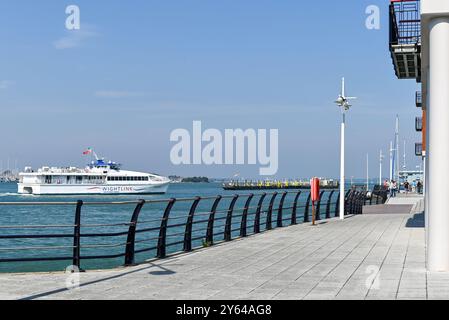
38 189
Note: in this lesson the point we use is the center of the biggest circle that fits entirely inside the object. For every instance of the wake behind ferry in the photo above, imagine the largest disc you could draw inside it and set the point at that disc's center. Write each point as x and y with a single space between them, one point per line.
98 178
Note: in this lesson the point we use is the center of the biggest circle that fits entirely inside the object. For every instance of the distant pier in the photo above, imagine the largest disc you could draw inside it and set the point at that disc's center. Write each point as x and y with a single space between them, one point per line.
325 184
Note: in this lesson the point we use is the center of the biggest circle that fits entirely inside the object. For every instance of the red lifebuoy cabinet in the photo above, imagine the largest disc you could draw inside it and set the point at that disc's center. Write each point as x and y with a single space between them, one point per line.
315 189
315 196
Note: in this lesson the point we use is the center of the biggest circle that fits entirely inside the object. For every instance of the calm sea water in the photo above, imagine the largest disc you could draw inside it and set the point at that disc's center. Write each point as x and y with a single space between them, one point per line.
92 216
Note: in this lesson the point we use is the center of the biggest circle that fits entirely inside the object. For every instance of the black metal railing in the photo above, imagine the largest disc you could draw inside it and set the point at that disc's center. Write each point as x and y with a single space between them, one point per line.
229 217
405 22
379 195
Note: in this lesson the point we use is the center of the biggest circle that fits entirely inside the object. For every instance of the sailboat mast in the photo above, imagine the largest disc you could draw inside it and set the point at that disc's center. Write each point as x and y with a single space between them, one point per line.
391 161
397 150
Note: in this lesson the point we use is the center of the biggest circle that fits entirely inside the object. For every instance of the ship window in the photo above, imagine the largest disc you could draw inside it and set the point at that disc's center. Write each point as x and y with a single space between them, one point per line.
145 179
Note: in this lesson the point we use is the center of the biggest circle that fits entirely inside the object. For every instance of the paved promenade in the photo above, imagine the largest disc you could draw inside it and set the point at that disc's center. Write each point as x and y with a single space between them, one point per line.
372 256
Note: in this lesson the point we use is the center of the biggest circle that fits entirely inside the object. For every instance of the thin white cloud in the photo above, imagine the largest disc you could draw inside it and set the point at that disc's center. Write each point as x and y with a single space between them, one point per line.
5 84
76 38
118 94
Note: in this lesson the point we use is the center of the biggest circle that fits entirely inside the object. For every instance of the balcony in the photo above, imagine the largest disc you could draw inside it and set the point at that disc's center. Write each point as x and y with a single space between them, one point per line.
405 38
419 124
418 150
418 99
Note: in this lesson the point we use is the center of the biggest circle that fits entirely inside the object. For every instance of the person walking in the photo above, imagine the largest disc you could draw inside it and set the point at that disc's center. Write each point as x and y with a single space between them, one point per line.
419 187
406 187
394 188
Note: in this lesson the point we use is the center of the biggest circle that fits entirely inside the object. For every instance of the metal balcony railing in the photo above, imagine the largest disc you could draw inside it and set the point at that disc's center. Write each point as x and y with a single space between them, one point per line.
405 22
419 124
418 149
405 38
418 99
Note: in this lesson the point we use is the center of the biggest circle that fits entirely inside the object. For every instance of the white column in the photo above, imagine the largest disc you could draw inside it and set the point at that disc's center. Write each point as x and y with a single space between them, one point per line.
342 169
367 173
438 146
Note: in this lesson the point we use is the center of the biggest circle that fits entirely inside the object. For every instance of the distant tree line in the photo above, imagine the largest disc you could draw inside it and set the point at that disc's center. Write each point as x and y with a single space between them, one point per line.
196 180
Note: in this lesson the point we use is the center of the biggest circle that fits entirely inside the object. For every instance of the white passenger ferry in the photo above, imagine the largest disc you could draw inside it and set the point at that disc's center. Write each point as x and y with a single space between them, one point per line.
97 178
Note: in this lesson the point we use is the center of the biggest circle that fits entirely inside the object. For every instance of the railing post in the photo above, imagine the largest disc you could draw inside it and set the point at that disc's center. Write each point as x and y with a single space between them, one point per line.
162 242
77 236
329 203
257 216
243 225
189 224
357 199
211 222
347 201
281 209
306 210
131 241
362 202
357 202
228 225
337 206
295 207
353 202
318 208
270 212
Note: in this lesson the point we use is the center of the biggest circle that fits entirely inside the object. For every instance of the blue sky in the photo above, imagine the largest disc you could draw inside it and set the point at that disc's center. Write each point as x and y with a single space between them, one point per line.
138 70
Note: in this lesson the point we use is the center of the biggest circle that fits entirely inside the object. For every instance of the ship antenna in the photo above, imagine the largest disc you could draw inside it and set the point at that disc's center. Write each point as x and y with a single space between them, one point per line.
95 155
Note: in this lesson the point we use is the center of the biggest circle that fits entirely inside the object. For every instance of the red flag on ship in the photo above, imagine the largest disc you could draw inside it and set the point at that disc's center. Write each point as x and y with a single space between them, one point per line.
88 151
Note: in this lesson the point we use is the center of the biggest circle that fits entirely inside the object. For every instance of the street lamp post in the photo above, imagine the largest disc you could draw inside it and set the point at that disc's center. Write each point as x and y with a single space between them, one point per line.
367 172
380 172
342 166
343 102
